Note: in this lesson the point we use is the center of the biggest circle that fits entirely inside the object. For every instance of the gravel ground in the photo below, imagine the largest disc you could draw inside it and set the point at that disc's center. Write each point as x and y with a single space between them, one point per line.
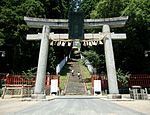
13 105
137 105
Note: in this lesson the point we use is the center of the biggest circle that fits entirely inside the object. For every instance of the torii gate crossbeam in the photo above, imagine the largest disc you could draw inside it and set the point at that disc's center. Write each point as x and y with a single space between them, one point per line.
88 23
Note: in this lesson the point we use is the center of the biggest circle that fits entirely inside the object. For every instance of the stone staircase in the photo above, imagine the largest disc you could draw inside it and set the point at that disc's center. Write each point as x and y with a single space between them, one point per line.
75 84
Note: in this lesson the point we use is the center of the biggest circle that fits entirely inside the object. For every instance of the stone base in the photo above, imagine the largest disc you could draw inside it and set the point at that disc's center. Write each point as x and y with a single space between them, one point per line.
38 96
114 96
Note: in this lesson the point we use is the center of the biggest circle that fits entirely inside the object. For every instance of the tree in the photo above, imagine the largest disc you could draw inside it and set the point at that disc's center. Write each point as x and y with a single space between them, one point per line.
29 73
52 63
137 34
22 54
13 28
107 9
130 51
87 6
122 77
56 8
97 61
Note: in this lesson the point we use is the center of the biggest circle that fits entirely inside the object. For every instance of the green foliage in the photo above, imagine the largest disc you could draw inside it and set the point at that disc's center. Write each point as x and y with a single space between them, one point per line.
24 54
29 73
1 42
130 51
13 29
122 77
138 34
87 6
107 8
140 9
85 75
56 8
32 8
51 61
64 76
95 59
92 56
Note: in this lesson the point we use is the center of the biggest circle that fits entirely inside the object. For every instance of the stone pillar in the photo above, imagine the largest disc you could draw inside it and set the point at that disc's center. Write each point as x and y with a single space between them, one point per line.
110 62
42 65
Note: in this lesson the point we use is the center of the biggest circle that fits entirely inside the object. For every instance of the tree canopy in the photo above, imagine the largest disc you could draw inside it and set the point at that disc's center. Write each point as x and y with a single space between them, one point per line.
23 55
130 51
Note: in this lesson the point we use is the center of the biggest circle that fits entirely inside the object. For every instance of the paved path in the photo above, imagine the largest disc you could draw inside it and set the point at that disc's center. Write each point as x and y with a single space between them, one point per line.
67 105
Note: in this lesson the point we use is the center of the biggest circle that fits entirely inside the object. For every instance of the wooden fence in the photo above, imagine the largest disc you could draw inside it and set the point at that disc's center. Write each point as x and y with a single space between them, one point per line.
139 80
21 79
142 80
20 82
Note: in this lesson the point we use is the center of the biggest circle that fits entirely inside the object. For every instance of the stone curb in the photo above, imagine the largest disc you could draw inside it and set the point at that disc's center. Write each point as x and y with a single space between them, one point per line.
30 99
123 99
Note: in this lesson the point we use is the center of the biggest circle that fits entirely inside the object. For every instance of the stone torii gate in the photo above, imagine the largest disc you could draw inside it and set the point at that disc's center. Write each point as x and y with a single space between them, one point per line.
46 36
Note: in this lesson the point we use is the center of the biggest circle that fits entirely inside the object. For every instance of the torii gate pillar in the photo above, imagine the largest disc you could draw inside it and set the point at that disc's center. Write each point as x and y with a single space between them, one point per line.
42 64
110 62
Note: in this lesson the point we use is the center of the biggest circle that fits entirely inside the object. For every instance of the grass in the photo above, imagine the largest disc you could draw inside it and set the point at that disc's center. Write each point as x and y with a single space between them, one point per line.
63 81
86 75
64 76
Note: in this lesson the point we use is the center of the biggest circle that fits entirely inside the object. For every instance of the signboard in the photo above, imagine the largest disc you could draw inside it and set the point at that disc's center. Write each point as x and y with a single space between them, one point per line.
97 86
76 23
54 85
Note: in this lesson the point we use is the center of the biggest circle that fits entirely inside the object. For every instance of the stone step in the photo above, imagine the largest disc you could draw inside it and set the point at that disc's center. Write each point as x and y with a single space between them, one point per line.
75 85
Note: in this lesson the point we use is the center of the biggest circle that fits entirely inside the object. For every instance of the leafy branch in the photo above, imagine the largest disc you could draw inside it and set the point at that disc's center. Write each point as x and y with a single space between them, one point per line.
29 73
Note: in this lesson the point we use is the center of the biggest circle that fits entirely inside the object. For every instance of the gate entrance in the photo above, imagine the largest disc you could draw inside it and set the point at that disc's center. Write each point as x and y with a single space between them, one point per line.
89 39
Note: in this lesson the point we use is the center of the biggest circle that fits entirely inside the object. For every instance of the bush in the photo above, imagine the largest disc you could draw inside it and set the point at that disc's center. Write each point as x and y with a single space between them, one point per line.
122 77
